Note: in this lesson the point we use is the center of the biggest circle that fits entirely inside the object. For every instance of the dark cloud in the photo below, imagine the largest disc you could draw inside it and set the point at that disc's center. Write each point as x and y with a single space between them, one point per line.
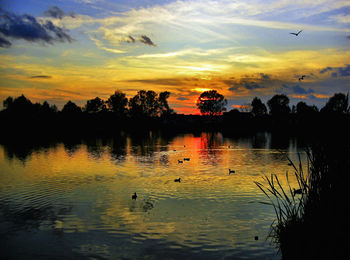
338 71
249 82
252 85
344 71
143 39
325 70
40 77
348 37
28 28
233 88
131 39
295 90
146 40
182 98
56 12
4 43
230 82
264 76
299 90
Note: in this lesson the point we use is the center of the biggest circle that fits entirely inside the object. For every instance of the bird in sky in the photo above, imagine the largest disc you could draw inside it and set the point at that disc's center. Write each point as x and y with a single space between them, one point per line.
302 77
296 34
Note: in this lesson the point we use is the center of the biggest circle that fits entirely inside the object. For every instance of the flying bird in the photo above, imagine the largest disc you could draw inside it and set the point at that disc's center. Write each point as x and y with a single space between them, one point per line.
302 77
296 34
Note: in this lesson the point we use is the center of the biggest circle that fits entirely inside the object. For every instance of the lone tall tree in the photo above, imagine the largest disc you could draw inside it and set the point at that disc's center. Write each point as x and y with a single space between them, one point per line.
339 103
71 108
279 105
144 104
117 103
163 104
211 103
258 107
95 105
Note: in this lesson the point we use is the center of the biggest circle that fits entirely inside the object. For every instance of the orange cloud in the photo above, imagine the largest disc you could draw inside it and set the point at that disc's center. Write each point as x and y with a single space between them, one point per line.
321 96
298 96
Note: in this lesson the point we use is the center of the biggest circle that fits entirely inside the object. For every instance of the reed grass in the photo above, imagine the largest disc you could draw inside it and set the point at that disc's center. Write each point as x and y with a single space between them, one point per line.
307 223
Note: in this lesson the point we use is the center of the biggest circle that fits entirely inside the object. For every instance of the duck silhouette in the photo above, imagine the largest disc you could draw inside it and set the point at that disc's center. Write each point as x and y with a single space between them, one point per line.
230 171
177 180
134 197
179 161
186 159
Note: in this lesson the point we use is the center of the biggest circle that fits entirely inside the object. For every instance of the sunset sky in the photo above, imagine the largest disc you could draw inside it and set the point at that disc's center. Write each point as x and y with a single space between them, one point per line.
79 49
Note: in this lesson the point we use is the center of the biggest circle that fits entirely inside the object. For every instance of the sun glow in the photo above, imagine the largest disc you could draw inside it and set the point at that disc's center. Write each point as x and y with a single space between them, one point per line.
201 89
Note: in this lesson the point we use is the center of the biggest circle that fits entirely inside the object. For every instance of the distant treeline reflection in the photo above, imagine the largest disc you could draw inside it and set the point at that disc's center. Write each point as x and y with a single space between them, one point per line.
146 144
149 111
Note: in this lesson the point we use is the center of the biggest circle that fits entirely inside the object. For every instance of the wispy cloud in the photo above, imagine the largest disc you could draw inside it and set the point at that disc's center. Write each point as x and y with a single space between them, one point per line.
4 43
341 18
56 12
201 21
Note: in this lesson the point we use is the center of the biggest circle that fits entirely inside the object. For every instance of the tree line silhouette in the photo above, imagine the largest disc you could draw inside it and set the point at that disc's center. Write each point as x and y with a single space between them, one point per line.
148 110
143 104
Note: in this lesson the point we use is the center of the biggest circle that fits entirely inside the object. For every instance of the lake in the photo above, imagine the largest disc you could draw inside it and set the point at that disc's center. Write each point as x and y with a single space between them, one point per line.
73 199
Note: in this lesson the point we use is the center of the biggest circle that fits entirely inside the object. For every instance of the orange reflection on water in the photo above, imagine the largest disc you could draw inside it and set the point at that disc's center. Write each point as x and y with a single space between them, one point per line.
93 181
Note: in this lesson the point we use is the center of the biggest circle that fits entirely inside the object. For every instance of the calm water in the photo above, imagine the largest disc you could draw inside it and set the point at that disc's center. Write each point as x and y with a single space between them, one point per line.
73 200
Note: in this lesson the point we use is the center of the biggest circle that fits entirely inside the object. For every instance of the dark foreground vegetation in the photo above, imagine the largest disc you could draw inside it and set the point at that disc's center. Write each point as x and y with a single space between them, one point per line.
313 219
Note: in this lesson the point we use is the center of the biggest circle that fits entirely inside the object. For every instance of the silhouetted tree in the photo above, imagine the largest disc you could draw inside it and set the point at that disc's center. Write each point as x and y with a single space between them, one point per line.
71 108
45 108
258 107
303 109
144 104
339 103
54 108
294 109
211 103
163 104
279 105
8 102
19 105
95 105
117 103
